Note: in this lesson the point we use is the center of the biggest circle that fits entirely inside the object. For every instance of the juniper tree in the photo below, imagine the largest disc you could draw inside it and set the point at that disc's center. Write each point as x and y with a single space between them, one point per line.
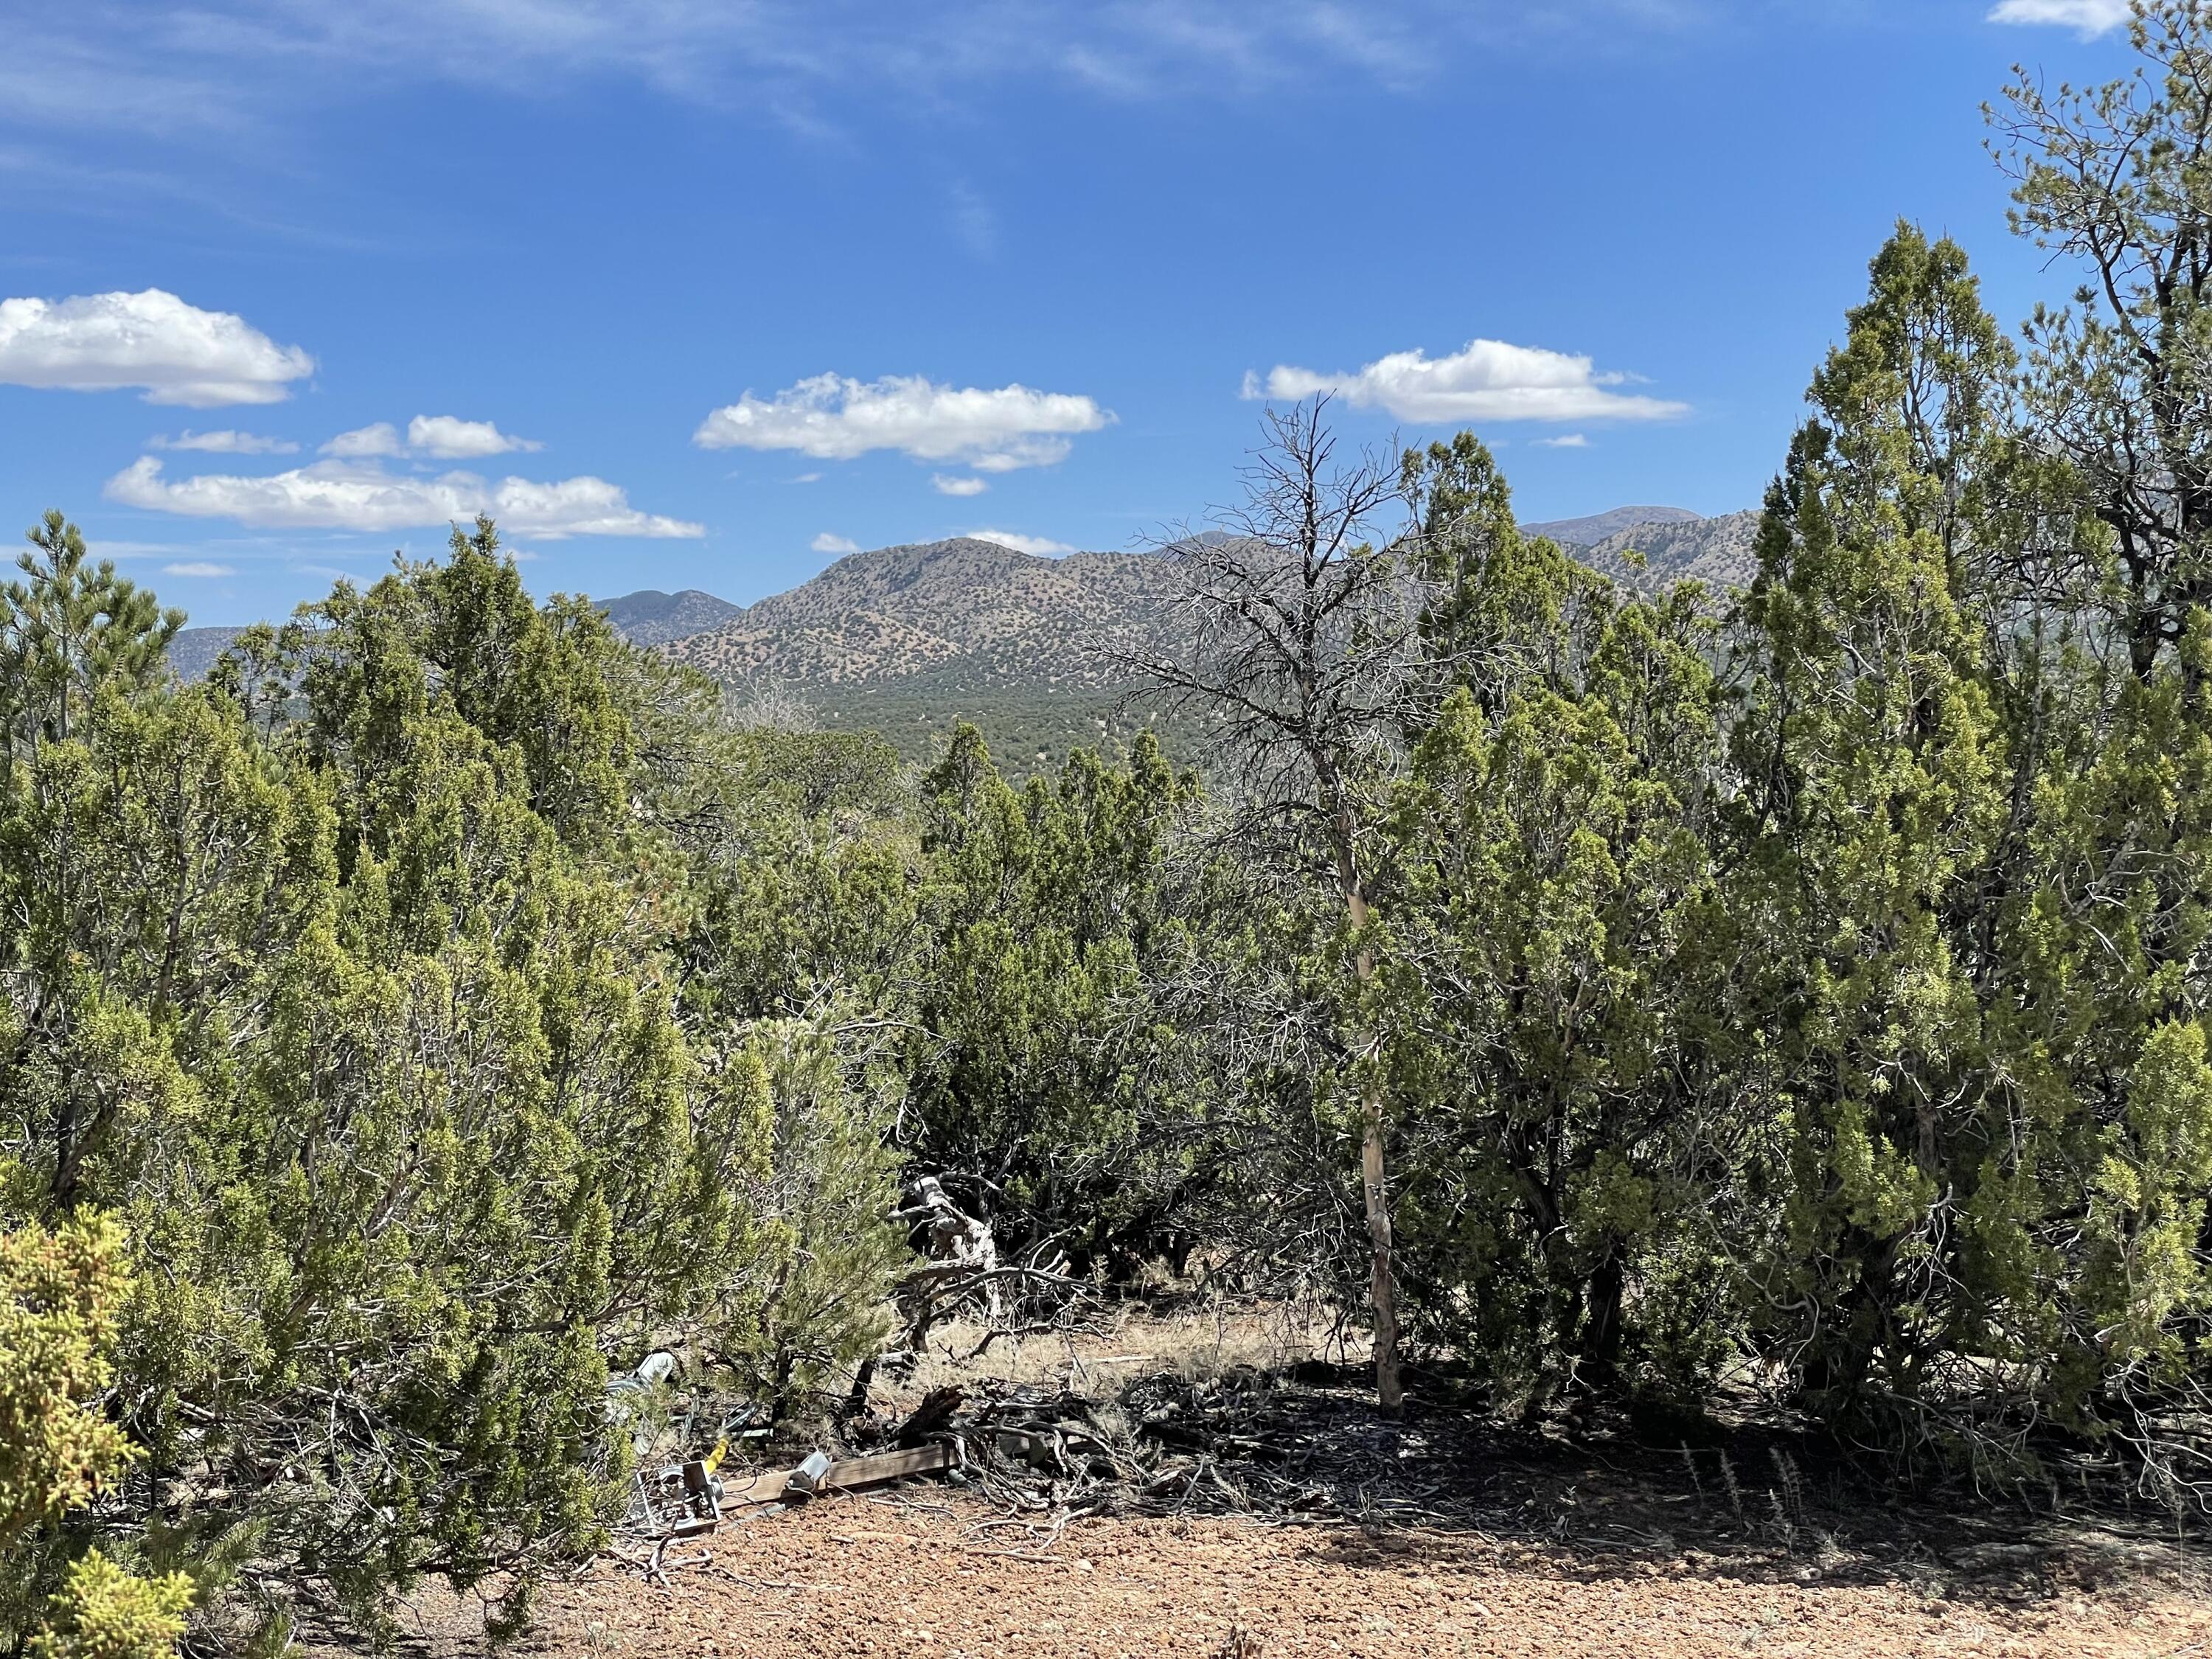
62 1294
367 1024
1874 794
1554 951
1041 1065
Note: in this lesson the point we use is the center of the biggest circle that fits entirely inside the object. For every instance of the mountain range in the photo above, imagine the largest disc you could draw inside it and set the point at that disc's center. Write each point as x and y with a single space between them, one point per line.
193 650
649 617
908 639
1589 532
1716 551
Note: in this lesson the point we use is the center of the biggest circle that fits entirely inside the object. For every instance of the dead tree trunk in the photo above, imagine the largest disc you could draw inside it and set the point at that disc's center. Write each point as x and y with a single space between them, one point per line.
1375 1190
1303 644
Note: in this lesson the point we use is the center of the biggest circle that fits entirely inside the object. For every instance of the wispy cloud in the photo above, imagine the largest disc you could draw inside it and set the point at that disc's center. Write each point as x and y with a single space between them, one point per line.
151 342
175 65
832 417
955 486
827 543
363 441
2089 17
197 568
360 496
1565 440
974 221
1484 380
226 443
107 548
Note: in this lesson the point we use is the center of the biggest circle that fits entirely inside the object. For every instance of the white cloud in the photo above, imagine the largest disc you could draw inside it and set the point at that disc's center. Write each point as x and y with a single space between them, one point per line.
834 418
382 439
1486 380
808 477
228 443
945 486
1038 545
198 568
451 439
1566 441
826 542
153 341
340 495
446 437
2091 17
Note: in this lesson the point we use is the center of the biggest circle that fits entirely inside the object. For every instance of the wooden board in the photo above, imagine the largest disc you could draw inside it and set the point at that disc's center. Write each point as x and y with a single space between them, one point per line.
768 1485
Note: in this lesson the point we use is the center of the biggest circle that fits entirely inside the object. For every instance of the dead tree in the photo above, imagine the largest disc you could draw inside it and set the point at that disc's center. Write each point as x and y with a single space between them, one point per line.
1297 635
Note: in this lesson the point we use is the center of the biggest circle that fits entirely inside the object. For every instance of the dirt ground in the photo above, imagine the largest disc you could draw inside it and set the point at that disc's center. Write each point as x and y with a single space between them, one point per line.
1299 1522
918 1576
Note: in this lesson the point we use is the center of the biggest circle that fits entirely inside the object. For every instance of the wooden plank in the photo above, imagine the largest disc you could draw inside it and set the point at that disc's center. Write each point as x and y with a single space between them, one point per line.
890 1466
768 1485
765 1487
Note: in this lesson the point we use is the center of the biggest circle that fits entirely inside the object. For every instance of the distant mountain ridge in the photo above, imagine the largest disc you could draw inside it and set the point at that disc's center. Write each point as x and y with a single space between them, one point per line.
193 650
1716 551
908 639
1601 526
650 616
973 610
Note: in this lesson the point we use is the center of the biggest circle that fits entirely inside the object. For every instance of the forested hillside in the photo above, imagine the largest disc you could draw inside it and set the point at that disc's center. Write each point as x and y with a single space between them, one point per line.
193 650
1007 618
1721 553
911 641
1602 1001
1593 528
651 617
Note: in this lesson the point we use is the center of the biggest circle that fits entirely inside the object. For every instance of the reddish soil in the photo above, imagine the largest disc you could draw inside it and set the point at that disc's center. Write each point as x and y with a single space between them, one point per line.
915 1576
1319 1528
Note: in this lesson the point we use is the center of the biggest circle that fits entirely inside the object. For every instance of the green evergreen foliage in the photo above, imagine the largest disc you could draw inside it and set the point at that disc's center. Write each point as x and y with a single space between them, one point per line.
67 628
1875 801
1039 1067
365 1025
61 1296
1551 951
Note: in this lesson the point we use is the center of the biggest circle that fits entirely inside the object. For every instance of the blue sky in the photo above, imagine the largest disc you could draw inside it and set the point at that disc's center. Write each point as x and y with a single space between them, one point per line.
698 293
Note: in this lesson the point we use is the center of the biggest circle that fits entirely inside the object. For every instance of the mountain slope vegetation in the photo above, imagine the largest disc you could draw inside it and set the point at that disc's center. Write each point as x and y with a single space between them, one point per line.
1588 531
910 640
994 617
1649 558
1619 1008
649 617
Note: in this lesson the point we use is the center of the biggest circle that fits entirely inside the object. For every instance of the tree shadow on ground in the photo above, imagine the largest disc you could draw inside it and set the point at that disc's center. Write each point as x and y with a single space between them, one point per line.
1596 1493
